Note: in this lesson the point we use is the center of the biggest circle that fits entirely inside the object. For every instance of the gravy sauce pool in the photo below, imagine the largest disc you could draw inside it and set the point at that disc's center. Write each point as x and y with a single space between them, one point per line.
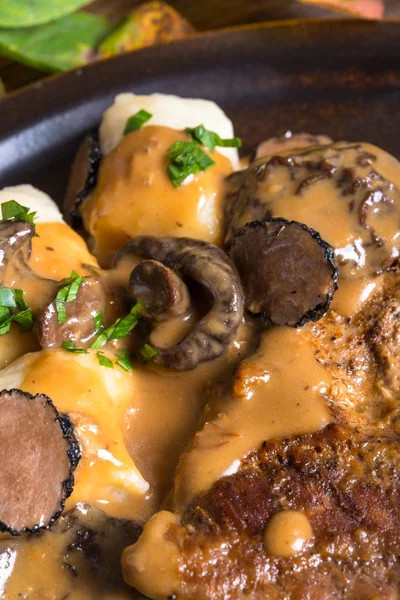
263 405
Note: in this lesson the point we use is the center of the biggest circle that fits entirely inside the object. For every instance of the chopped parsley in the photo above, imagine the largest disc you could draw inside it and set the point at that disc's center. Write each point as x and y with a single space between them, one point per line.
210 139
124 360
186 158
136 121
120 328
68 293
23 318
10 300
71 347
104 361
98 322
13 211
147 352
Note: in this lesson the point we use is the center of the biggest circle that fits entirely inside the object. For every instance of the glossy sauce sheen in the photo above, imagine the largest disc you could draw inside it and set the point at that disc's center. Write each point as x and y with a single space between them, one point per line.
132 426
365 180
134 195
144 420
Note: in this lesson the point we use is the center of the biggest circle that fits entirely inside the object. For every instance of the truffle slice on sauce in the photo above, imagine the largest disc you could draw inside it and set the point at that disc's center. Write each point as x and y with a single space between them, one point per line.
39 453
287 271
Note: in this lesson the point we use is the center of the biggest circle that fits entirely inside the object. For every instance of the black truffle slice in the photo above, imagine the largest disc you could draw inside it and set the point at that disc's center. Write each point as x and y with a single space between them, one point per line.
79 325
83 177
287 271
39 453
161 290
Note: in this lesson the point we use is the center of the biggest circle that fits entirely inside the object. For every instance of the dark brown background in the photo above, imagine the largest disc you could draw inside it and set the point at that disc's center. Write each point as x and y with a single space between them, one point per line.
203 14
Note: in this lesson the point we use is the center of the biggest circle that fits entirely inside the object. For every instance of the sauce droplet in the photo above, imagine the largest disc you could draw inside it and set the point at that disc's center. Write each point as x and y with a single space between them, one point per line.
286 533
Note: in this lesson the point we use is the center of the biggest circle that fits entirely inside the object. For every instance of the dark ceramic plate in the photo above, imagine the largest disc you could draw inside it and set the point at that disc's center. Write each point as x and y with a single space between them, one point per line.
341 78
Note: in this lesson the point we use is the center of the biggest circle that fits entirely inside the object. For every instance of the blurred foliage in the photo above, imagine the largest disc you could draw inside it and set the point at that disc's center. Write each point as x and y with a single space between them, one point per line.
28 13
51 36
151 23
367 9
57 46
2 89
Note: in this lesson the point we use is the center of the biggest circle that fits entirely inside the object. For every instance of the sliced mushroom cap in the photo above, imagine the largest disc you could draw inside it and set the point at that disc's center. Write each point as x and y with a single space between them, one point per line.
79 325
39 453
160 289
15 236
287 271
210 267
83 176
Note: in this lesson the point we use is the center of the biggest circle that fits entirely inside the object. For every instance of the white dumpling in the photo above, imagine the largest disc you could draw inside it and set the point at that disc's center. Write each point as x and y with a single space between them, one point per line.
46 209
169 111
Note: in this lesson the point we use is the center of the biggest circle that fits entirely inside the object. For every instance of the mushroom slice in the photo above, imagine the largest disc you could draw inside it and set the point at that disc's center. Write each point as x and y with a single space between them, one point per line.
83 177
287 271
210 267
14 236
79 324
291 141
39 453
160 289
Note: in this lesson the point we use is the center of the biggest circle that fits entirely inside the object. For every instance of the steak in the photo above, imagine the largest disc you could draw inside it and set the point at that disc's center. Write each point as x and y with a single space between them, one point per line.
345 478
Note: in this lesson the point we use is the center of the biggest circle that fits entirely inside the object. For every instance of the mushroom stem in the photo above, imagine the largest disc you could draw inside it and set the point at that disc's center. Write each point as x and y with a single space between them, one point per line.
210 266
160 289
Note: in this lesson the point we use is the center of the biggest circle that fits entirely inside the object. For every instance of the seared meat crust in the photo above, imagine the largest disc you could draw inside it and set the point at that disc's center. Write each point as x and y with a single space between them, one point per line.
348 486
346 479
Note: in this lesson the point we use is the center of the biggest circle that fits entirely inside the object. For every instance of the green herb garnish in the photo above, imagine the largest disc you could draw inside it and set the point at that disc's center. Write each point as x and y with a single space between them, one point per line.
98 322
147 352
124 360
23 318
186 158
13 211
68 293
71 347
210 139
136 121
120 328
104 361
12 298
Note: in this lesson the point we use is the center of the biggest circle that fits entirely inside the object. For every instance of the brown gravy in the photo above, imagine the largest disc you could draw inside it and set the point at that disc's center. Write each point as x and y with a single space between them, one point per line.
139 163
144 420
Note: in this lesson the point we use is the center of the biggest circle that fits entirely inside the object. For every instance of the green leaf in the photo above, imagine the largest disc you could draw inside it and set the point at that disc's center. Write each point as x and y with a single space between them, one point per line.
98 322
71 347
104 361
120 328
23 318
150 23
210 139
186 158
26 13
136 121
124 360
147 352
66 294
12 298
58 46
13 211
